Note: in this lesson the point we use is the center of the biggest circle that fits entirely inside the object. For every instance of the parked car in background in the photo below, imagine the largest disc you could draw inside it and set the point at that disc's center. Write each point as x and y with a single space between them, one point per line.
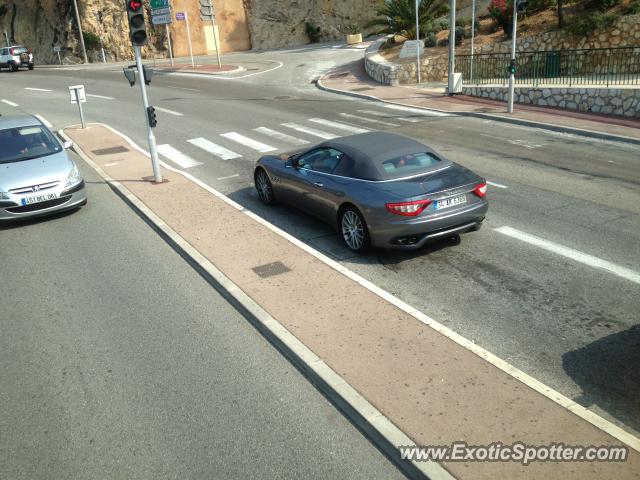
377 189
37 177
15 57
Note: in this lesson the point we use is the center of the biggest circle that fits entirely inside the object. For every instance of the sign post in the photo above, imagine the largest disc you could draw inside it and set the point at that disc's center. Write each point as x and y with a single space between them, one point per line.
77 94
161 15
207 13
184 17
57 50
419 79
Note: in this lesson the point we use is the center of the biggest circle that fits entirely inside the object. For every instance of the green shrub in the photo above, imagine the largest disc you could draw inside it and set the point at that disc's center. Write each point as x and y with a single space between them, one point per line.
589 22
463 22
313 32
460 34
430 40
632 9
444 24
91 40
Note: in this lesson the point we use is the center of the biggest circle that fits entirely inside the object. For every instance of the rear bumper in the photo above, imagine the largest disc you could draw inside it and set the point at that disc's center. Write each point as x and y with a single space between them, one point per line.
416 235
67 200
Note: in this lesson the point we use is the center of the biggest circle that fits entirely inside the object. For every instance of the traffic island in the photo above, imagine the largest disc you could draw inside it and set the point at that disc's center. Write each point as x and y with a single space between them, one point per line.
206 69
402 377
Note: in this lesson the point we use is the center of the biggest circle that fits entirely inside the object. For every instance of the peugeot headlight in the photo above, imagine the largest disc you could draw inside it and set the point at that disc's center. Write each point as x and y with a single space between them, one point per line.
74 176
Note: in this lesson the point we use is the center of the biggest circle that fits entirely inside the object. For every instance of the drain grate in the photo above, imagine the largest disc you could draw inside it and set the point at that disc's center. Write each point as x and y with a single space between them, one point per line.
271 269
110 150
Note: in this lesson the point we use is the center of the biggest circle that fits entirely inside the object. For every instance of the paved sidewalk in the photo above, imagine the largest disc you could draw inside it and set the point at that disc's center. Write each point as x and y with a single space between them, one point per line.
352 79
432 388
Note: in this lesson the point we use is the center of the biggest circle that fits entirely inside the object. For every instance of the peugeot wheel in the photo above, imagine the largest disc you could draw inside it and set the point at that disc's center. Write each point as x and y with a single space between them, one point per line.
353 230
264 187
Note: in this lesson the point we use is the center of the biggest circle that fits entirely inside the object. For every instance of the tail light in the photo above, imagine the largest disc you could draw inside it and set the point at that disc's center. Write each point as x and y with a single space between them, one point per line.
481 190
11 52
408 209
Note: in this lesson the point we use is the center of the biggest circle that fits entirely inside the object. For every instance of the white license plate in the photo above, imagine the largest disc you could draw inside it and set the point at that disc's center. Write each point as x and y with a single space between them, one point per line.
43 197
450 202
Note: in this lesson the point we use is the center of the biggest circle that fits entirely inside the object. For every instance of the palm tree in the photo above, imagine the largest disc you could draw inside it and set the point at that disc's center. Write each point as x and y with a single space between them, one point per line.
399 16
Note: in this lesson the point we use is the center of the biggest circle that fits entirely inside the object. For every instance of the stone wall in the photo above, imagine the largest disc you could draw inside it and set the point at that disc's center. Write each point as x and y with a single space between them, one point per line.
616 101
378 68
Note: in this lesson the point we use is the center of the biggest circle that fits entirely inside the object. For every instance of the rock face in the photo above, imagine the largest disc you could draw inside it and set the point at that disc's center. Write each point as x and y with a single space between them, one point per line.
278 23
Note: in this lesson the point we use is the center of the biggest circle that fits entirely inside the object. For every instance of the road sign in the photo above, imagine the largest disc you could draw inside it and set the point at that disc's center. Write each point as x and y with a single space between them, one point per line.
180 16
77 91
161 11
163 19
155 4
57 49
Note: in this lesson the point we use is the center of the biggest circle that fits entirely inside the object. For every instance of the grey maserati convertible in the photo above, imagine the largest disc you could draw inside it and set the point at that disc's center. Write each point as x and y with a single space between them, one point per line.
378 189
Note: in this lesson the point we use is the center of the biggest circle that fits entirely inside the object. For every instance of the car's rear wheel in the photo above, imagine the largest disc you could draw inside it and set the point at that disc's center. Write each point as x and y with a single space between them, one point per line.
14 67
353 230
264 187
31 66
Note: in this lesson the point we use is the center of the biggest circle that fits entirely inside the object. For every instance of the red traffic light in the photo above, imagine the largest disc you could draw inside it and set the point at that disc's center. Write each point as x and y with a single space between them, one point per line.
134 4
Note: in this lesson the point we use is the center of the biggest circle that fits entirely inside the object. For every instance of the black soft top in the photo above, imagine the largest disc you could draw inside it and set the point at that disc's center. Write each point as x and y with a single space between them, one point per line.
369 150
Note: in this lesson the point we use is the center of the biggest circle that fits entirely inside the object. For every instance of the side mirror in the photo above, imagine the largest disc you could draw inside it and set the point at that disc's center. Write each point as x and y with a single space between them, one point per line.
67 145
294 160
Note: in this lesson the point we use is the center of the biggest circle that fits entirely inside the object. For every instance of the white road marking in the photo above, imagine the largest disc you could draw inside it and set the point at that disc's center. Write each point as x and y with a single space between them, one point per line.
310 131
418 111
281 136
572 254
553 395
44 121
183 88
177 157
338 125
37 89
9 103
214 149
230 176
497 185
170 112
525 144
369 120
249 142
113 164
103 97
386 115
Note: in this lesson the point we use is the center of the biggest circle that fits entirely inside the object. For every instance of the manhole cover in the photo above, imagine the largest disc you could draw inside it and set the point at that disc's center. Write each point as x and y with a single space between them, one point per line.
110 150
271 269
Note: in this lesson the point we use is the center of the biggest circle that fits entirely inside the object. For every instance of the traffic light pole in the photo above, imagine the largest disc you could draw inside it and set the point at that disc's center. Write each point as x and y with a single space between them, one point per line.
512 74
155 163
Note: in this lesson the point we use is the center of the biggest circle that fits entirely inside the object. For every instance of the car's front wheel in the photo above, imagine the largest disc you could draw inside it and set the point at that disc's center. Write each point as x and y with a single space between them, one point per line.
264 187
31 66
353 230
14 67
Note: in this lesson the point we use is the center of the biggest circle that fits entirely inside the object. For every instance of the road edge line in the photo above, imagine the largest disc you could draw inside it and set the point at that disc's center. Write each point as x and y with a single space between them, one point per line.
488 116
558 398
380 430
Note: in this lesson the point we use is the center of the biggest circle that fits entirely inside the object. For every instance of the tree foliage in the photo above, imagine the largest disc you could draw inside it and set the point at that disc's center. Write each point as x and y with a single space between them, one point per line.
399 16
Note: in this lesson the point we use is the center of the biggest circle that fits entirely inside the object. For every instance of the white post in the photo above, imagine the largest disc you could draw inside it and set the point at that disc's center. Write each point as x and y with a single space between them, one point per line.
473 35
215 35
104 58
59 58
512 76
452 45
418 40
6 35
186 17
166 26
157 174
80 109
84 50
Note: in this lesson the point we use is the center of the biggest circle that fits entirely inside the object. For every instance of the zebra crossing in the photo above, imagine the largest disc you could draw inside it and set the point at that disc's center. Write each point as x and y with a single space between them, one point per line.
235 145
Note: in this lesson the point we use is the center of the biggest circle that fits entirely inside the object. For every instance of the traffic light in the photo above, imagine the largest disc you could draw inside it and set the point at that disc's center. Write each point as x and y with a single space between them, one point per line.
151 114
511 69
137 27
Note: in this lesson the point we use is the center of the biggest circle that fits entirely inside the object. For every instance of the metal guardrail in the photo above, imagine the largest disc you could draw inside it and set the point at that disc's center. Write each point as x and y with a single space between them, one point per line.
600 66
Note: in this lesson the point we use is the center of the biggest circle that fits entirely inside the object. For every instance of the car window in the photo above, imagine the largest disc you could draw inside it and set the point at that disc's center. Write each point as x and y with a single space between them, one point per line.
346 167
320 160
19 50
410 162
25 143
3 51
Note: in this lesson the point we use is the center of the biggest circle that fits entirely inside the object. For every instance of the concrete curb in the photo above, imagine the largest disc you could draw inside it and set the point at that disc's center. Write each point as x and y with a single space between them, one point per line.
169 71
379 429
489 116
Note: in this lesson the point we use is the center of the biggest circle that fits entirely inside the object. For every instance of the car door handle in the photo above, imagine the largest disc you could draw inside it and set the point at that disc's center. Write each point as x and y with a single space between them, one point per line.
319 184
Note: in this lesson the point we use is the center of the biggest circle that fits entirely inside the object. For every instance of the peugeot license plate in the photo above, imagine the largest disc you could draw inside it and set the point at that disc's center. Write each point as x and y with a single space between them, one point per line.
39 198
450 202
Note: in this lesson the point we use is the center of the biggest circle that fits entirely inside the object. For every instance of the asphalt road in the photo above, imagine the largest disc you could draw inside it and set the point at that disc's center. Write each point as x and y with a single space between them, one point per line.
117 360
570 325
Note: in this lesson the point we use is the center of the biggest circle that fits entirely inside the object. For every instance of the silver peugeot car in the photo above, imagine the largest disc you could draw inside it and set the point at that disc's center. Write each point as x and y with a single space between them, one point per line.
37 177
377 189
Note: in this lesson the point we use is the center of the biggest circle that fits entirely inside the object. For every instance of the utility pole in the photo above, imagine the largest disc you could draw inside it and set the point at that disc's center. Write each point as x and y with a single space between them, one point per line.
418 40
452 45
473 34
215 36
512 67
84 50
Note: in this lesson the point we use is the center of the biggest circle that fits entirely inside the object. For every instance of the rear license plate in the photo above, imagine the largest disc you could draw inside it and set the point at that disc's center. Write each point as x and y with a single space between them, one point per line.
450 202
39 198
